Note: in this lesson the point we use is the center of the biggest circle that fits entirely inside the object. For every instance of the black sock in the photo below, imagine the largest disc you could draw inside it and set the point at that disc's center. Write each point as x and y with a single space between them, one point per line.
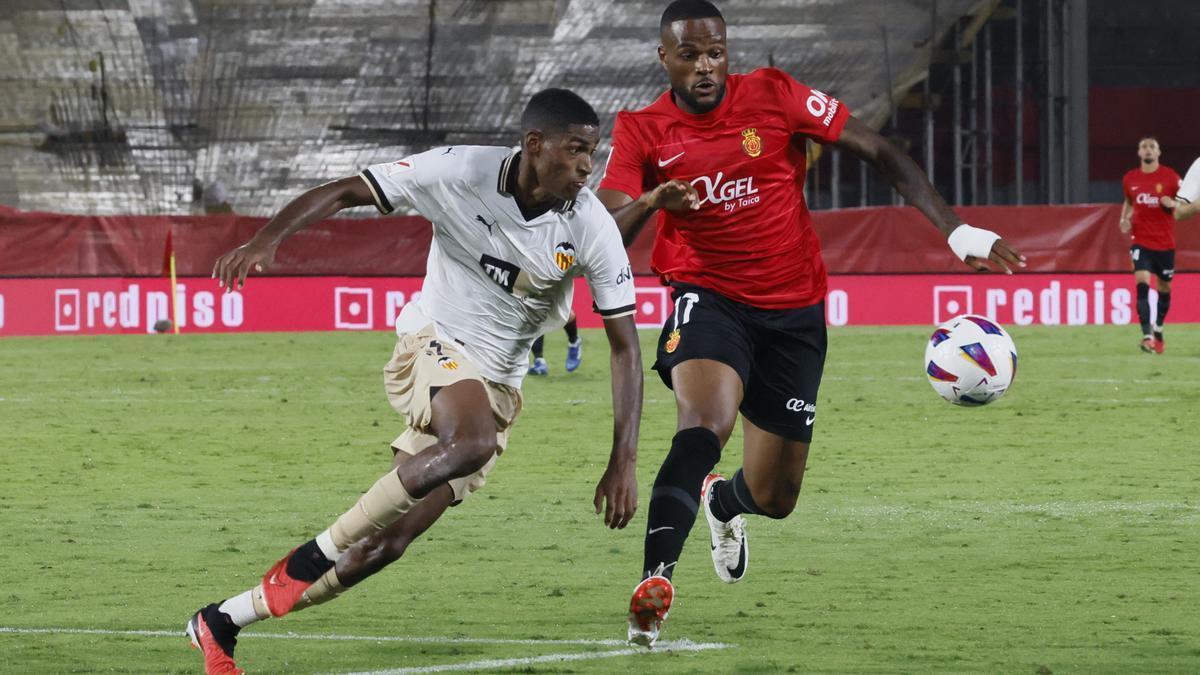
537 346
308 563
224 630
1143 306
676 497
732 497
572 331
1164 304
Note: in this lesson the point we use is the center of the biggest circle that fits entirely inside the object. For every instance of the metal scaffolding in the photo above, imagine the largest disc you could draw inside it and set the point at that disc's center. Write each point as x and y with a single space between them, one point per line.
962 74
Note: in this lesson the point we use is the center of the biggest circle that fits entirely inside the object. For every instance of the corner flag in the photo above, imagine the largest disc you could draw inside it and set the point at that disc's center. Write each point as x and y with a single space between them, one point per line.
169 269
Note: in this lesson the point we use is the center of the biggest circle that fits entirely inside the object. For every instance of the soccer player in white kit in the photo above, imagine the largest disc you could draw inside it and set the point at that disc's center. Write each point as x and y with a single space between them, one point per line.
1187 202
511 231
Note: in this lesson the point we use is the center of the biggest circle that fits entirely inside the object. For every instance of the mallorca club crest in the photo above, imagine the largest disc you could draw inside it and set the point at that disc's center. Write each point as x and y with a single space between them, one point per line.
564 255
1158 188
672 342
751 143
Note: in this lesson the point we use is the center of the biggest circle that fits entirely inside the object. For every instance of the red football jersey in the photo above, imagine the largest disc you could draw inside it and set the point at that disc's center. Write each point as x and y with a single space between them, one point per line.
752 238
1153 226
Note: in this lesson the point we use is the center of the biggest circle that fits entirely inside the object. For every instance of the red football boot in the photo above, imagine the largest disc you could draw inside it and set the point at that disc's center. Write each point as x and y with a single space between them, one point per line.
648 609
215 636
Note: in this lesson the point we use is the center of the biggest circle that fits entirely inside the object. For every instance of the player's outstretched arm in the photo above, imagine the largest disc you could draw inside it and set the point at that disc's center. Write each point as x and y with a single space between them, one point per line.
972 245
631 214
1185 210
311 207
1180 209
616 494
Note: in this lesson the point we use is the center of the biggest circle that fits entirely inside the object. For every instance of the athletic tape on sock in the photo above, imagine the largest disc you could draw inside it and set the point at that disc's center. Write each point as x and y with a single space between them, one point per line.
323 590
241 609
328 548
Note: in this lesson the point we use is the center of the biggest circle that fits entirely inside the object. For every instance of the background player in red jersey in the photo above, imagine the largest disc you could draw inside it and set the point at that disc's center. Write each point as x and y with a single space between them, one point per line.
722 158
1149 197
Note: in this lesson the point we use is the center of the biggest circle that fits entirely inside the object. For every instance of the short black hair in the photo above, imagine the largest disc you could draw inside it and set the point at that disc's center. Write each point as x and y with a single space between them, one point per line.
553 110
684 10
1149 137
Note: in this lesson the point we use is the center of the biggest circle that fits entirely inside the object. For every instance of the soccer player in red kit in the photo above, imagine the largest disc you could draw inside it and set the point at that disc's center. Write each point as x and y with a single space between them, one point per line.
721 158
1149 197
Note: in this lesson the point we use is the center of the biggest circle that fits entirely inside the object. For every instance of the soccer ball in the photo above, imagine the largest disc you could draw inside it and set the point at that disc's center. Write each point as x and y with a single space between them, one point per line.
970 360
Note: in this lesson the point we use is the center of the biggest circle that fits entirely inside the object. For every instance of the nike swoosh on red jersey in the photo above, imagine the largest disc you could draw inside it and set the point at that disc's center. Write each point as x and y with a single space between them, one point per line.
664 162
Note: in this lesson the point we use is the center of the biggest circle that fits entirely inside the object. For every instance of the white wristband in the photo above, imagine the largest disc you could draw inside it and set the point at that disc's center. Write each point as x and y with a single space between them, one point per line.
971 241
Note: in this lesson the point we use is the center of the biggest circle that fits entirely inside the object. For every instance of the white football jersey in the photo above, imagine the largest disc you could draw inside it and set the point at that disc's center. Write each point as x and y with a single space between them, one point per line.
495 282
1189 189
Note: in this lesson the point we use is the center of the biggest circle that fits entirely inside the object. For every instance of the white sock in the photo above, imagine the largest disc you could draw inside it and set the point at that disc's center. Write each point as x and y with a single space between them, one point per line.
328 548
240 609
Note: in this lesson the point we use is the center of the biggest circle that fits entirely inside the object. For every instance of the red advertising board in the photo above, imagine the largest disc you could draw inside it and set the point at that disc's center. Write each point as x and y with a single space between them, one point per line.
72 306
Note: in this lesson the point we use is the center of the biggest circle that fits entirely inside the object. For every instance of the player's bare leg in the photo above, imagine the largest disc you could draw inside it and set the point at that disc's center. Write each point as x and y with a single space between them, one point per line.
774 469
466 430
707 396
1164 304
768 484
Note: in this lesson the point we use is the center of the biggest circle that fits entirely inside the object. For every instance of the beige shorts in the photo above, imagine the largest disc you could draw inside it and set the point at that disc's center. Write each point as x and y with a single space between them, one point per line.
421 363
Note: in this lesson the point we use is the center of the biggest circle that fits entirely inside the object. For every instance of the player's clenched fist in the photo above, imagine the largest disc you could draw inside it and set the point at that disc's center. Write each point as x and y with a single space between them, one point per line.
231 269
675 195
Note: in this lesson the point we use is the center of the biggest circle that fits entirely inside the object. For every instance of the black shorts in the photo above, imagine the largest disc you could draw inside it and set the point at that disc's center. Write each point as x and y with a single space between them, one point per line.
779 354
1159 263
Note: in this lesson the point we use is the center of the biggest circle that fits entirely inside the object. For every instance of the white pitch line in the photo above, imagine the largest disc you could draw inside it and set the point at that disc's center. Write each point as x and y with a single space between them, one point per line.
314 636
491 664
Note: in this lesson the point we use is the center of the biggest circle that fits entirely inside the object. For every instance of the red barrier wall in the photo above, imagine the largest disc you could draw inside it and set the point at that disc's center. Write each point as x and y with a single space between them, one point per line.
122 305
36 244
893 240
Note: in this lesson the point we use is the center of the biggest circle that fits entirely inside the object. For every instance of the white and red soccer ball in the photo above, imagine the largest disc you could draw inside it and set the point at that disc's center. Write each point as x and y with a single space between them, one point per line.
970 360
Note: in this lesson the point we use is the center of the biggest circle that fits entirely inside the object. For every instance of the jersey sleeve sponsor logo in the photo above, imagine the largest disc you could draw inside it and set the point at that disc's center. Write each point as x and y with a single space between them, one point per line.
401 166
822 107
564 255
751 143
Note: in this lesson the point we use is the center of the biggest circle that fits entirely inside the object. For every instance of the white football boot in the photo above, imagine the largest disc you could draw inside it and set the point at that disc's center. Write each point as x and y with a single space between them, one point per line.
730 548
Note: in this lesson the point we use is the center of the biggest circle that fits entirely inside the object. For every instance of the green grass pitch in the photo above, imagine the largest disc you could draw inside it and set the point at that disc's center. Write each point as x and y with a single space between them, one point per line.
1057 530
